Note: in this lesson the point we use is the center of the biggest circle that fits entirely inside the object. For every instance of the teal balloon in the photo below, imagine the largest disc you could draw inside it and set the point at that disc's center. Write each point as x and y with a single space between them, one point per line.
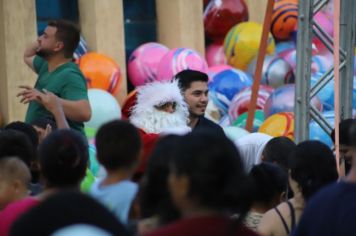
241 121
93 162
234 133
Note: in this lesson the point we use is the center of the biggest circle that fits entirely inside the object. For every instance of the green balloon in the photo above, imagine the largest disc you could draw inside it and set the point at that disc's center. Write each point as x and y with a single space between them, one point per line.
87 182
257 121
90 132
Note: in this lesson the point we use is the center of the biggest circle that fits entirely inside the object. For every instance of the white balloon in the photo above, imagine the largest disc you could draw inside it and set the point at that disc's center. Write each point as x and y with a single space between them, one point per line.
104 108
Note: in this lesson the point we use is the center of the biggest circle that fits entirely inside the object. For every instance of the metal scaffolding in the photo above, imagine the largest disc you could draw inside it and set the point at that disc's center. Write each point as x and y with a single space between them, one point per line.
307 28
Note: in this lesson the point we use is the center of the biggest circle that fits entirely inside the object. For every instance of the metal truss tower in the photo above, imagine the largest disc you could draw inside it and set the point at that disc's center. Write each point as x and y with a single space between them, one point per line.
307 28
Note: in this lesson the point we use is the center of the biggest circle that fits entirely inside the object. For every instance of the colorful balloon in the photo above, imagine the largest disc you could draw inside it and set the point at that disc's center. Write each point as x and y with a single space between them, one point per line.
212 71
242 43
81 49
241 101
317 133
275 71
284 18
143 63
215 55
224 86
101 72
241 121
282 100
279 124
221 15
179 59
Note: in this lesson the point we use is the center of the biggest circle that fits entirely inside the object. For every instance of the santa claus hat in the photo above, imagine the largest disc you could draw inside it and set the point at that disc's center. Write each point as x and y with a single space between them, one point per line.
158 93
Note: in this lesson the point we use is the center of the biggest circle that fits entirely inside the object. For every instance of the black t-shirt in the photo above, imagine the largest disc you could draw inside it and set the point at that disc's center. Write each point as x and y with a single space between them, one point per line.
204 123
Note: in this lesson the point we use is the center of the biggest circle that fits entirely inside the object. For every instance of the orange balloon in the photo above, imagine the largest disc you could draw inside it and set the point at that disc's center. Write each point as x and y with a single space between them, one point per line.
101 72
129 102
279 124
284 18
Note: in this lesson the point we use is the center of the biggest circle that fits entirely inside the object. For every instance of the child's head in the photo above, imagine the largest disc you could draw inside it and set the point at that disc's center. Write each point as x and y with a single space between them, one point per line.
16 143
26 129
63 158
15 178
118 145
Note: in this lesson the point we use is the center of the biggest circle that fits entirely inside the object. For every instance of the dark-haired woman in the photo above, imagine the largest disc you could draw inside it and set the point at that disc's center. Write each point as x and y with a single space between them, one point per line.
311 166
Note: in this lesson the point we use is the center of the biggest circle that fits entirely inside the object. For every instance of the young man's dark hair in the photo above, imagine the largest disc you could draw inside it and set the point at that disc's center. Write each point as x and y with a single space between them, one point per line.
186 77
277 151
68 33
16 143
63 157
26 129
118 145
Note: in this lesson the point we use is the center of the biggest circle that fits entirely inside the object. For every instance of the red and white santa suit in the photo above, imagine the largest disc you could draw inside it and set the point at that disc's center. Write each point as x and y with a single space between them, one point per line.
152 122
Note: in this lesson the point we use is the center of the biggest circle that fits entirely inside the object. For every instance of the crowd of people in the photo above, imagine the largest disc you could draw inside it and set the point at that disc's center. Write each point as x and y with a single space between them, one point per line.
167 170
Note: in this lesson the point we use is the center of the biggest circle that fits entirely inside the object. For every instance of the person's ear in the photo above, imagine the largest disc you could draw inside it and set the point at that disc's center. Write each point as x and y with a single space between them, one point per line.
16 185
59 46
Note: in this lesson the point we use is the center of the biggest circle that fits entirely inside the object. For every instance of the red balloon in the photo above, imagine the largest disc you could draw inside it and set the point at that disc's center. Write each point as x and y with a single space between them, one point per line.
221 15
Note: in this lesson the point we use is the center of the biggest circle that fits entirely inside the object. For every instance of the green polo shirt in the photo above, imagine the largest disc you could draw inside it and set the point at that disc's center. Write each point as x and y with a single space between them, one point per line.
66 81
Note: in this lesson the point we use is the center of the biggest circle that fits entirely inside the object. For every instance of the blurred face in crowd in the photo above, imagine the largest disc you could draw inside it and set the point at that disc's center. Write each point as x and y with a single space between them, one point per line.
196 96
169 107
345 152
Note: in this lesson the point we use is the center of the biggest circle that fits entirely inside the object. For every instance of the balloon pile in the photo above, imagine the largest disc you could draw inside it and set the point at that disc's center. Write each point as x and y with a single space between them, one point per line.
231 95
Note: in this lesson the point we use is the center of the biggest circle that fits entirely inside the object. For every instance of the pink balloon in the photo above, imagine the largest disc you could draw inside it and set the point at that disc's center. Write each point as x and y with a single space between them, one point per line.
327 25
143 63
215 55
179 59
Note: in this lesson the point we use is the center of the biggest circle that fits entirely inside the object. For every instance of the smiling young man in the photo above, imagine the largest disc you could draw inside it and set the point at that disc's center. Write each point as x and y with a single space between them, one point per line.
50 56
194 87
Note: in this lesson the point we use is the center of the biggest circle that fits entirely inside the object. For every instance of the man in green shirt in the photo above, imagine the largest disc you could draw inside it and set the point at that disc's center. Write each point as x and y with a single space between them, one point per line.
51 58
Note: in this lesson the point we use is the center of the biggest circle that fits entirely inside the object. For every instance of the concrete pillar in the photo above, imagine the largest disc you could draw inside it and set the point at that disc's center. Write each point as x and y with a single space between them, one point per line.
256 10
180 24
102 25
17 30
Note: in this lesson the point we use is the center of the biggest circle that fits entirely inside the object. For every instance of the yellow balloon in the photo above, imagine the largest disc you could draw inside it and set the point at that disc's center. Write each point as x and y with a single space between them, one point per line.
242 43
279 124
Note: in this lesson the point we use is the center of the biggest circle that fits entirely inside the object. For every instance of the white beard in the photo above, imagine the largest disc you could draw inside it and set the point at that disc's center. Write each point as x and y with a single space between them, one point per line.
160 122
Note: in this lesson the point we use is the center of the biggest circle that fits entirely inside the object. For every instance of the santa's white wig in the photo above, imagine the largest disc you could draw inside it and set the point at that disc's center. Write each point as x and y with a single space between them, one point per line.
145 116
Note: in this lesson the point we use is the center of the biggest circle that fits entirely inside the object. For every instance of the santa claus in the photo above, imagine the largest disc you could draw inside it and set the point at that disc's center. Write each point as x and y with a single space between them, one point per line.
159 110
